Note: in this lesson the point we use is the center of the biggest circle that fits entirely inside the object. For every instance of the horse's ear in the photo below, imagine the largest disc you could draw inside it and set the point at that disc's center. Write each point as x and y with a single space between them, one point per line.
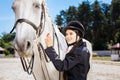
43 1
61 29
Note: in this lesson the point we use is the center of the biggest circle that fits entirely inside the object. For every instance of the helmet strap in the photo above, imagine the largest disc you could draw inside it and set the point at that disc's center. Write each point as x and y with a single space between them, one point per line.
71 44
75 41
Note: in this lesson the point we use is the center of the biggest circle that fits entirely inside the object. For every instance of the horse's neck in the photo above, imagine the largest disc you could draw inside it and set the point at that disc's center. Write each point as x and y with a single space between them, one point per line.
57 37
43 70
37 70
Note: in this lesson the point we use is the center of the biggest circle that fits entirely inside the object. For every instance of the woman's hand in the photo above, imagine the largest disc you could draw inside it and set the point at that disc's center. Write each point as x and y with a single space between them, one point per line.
48 40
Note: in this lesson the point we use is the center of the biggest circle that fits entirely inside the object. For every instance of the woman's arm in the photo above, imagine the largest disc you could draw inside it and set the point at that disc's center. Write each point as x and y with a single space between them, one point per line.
62 65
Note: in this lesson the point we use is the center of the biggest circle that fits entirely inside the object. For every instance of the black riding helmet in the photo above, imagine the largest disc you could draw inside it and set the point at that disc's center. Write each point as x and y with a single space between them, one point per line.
76 25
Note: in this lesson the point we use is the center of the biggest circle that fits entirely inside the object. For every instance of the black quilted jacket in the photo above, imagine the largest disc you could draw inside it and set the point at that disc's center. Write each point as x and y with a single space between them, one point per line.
76 63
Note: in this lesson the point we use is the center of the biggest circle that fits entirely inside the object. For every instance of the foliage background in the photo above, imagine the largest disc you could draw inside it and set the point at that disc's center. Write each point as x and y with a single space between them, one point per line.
101 22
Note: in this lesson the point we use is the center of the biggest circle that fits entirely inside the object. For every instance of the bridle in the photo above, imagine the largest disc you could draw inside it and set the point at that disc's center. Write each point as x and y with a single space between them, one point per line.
29 67
28 64
38 29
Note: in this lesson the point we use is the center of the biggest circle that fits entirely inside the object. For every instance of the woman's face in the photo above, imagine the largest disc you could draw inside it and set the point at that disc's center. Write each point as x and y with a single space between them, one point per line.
71 36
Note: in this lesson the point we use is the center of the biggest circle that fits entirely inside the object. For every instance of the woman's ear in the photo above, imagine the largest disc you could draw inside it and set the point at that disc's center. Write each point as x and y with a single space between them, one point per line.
78 38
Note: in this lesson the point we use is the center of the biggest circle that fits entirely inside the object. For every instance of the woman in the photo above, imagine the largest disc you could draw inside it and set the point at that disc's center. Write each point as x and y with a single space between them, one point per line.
76 63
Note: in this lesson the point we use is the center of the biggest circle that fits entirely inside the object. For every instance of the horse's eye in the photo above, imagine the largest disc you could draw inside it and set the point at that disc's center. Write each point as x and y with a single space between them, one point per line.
13 7
15 4
36 5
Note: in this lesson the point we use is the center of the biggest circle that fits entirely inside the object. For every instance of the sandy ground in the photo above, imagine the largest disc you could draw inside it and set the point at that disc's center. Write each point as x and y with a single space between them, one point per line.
11 69
104 70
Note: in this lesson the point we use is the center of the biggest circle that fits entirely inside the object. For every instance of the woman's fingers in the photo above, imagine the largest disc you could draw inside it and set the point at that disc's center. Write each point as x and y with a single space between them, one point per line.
48 40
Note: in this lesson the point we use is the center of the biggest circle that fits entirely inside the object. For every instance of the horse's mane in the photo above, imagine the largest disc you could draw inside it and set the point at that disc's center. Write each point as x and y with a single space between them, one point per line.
47 10
60 38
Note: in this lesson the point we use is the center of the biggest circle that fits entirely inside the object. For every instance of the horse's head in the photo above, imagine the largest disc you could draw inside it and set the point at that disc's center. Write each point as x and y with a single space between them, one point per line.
29 19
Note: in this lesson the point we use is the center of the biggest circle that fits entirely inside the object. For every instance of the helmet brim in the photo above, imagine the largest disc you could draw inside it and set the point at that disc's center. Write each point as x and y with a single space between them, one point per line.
74 28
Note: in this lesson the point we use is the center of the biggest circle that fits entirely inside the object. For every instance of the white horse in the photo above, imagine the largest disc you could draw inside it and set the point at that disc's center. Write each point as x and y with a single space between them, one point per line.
32 24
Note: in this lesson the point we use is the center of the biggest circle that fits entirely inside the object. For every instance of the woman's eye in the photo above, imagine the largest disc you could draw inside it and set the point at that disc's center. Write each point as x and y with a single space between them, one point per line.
71 33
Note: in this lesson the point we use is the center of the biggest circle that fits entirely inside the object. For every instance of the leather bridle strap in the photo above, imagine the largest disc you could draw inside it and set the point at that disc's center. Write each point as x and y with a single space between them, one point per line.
39 29
27 67
43 58
26 21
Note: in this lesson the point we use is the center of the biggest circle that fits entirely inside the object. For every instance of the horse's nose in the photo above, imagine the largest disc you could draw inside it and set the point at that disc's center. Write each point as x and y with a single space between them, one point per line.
28 45
23 46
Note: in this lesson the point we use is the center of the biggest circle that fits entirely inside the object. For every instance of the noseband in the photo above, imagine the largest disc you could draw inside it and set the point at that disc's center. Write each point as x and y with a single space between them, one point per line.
26 21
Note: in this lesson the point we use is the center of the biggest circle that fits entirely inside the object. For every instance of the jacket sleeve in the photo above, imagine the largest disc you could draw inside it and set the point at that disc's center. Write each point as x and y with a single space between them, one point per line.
68 63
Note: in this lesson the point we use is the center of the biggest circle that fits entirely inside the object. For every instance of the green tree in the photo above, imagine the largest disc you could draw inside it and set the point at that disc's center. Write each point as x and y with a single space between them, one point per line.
85 17
99 22
117 35
71 14
115 17
115 10
61 18
6 41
